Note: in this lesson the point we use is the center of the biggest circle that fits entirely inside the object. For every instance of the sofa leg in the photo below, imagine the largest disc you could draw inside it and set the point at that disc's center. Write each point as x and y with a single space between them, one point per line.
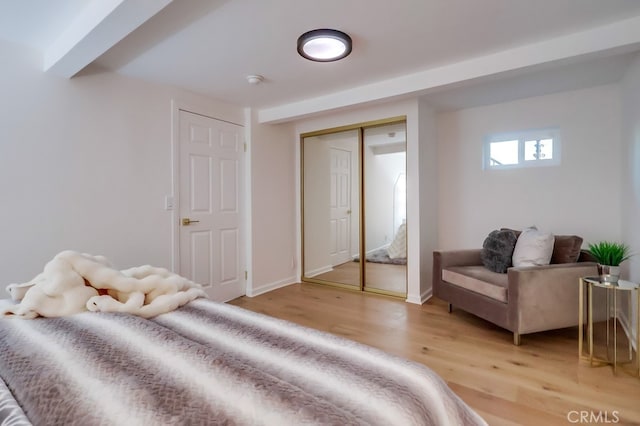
516 339
449 307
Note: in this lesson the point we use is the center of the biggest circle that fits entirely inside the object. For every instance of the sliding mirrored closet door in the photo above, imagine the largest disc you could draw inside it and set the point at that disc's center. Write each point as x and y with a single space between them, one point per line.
353 202
385 208
331 207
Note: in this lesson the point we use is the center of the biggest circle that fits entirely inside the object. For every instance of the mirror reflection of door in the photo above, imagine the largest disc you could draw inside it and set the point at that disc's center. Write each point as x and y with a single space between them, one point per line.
331 212
385 209
340 206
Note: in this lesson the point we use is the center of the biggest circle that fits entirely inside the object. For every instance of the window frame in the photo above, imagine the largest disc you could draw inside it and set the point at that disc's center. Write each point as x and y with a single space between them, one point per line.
521 137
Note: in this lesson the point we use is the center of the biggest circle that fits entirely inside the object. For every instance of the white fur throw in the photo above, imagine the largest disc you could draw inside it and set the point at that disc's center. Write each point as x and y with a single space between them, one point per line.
73 282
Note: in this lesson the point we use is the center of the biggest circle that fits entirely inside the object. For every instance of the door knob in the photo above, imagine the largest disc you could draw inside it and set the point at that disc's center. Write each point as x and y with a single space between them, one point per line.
349 211
186 221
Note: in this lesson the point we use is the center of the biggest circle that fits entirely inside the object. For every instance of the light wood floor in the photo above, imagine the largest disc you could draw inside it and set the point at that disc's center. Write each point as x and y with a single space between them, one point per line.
380 276
540 382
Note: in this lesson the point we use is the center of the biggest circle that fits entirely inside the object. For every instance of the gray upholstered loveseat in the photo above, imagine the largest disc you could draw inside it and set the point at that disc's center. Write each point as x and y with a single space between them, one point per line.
524 300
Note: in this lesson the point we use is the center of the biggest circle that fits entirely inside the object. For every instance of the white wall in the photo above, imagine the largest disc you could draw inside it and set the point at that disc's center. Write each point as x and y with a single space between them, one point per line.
580 196
427 159
631 166
630 91
84 164
274 260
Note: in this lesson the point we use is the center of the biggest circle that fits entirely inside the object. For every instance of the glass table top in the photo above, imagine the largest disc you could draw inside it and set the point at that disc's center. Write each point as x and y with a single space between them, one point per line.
620 285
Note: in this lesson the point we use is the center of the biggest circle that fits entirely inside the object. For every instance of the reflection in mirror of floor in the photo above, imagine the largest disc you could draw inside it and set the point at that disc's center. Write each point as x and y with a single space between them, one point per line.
380 276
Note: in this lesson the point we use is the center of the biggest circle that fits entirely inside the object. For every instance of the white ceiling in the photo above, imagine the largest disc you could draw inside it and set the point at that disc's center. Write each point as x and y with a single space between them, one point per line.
210 46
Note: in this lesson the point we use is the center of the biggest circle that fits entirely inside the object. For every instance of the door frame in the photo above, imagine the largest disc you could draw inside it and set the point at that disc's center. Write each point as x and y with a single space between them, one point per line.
177 106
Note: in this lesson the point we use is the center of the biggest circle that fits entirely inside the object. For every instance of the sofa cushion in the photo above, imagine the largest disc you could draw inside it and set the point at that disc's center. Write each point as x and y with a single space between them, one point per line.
479 280
497 250
533 248
566 249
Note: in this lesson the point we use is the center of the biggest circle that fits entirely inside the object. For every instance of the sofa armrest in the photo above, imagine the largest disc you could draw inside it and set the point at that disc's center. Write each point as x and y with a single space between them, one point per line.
446 258
546 297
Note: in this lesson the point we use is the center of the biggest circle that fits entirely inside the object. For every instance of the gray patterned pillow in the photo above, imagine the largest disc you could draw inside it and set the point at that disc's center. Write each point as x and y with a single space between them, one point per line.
497 250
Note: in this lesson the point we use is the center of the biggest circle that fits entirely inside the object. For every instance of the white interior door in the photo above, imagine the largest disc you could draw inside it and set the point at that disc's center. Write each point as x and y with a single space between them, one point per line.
211 249
340 207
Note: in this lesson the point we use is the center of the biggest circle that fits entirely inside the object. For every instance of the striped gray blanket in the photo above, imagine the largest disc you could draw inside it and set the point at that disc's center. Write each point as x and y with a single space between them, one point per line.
209 363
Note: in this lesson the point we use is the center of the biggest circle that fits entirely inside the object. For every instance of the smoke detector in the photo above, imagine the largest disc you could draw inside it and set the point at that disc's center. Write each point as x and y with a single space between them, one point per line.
255 79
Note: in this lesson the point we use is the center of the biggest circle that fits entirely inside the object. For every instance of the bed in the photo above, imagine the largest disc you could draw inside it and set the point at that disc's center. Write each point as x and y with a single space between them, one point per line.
209 363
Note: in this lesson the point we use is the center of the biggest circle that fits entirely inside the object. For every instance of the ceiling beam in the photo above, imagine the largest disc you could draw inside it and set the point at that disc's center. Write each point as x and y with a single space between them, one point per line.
97 28
620 36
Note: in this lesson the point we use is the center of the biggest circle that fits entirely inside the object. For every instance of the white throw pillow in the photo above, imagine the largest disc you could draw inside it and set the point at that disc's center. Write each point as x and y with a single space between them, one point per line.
533 248
398 248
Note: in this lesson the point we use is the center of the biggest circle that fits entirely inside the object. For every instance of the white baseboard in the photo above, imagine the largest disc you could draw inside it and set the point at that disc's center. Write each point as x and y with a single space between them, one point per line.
265 288
424 296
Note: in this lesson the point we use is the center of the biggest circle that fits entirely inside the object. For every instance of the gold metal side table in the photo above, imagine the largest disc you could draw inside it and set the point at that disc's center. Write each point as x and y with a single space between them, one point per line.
612 291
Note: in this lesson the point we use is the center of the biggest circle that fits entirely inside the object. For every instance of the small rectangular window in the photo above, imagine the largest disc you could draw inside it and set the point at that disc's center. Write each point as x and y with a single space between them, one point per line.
522 149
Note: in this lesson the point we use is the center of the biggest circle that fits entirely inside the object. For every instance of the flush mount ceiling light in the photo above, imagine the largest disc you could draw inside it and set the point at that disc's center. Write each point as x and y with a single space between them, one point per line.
324 45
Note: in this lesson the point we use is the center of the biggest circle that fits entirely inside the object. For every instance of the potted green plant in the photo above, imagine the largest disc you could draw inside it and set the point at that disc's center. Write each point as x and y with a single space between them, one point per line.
609 256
